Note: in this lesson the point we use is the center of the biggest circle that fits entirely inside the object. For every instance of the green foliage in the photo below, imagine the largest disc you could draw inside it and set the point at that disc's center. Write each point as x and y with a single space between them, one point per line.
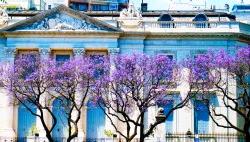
33 130
108 133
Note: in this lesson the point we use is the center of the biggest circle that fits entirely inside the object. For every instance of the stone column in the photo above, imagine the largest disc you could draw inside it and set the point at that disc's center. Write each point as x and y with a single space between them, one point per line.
7 119
108 126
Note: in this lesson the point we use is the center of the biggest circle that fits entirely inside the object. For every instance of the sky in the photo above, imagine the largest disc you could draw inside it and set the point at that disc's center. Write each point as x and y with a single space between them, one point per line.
186 4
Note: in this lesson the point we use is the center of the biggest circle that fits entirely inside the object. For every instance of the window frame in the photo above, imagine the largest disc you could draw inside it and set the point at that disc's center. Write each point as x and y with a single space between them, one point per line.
96 51
61 51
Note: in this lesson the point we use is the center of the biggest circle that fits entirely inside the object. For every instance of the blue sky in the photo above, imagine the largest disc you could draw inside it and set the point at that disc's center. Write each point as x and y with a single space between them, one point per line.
169 4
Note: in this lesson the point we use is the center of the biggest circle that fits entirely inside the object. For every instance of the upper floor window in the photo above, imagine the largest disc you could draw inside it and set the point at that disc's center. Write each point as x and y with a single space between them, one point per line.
96 52
26 59
168 76
61 55
201 21
97 56
166 21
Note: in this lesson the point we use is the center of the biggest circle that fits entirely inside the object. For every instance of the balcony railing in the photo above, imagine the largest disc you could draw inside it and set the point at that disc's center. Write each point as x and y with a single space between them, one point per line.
167 138
189 26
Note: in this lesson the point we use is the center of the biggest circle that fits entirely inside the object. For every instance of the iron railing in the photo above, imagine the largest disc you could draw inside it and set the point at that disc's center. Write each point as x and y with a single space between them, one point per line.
168 138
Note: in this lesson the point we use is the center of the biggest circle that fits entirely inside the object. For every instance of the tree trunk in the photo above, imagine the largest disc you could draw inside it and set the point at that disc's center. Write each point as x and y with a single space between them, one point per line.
142 128
48 134
49 137
247 137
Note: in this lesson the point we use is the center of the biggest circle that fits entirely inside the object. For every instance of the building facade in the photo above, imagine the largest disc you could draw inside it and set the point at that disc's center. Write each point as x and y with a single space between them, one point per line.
64 33
98 5
242 12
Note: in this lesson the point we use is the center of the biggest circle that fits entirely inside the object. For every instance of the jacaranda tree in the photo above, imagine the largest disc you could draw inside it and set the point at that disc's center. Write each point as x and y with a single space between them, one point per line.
135 84
216 73
73 80
28 81
36 83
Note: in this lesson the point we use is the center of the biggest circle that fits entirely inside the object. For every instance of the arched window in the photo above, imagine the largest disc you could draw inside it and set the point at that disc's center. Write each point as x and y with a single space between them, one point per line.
166 21
201 21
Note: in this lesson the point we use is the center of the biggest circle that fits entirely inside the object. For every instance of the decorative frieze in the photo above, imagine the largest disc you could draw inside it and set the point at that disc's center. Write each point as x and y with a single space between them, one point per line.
60 22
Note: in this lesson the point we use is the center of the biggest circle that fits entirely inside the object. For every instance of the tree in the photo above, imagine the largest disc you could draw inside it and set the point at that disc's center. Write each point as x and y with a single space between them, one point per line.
28 80
137 83
218 72
73 81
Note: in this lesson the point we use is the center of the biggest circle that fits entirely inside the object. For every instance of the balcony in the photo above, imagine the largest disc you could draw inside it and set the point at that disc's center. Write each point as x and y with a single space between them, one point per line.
185 27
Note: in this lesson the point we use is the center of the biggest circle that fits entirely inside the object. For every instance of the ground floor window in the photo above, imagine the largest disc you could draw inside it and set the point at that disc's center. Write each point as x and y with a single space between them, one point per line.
167 106
60 111
201 117
95 121
26 121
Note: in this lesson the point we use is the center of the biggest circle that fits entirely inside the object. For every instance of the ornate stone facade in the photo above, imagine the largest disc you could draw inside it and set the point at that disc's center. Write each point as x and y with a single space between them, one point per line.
61 21
4 18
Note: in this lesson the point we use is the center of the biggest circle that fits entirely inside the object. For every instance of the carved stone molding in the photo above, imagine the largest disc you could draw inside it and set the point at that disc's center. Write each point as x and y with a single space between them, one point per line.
78 51
44 51
61 22
9 52
114 51
3 17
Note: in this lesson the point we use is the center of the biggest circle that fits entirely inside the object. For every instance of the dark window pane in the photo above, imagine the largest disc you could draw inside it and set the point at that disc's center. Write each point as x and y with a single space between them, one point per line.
62 58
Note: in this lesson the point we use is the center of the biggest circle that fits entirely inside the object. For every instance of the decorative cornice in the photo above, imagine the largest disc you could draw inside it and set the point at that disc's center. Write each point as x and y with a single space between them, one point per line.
126 35
9 52
52 34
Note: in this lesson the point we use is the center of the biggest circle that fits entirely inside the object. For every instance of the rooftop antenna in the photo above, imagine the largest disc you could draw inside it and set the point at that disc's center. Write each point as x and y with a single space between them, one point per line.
205 4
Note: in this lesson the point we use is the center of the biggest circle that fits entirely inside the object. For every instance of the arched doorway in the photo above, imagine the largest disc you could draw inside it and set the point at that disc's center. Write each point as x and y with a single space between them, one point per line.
26 121
95 122
59 110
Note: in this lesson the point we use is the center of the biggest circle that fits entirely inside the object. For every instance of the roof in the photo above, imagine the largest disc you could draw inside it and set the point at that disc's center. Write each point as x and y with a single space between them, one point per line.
155 13
241 7
61 9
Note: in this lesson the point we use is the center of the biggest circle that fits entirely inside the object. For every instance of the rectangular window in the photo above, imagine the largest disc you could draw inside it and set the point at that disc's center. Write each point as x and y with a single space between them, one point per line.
168 77
62 58
203 72
97 56
61 55
167 106
29 57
